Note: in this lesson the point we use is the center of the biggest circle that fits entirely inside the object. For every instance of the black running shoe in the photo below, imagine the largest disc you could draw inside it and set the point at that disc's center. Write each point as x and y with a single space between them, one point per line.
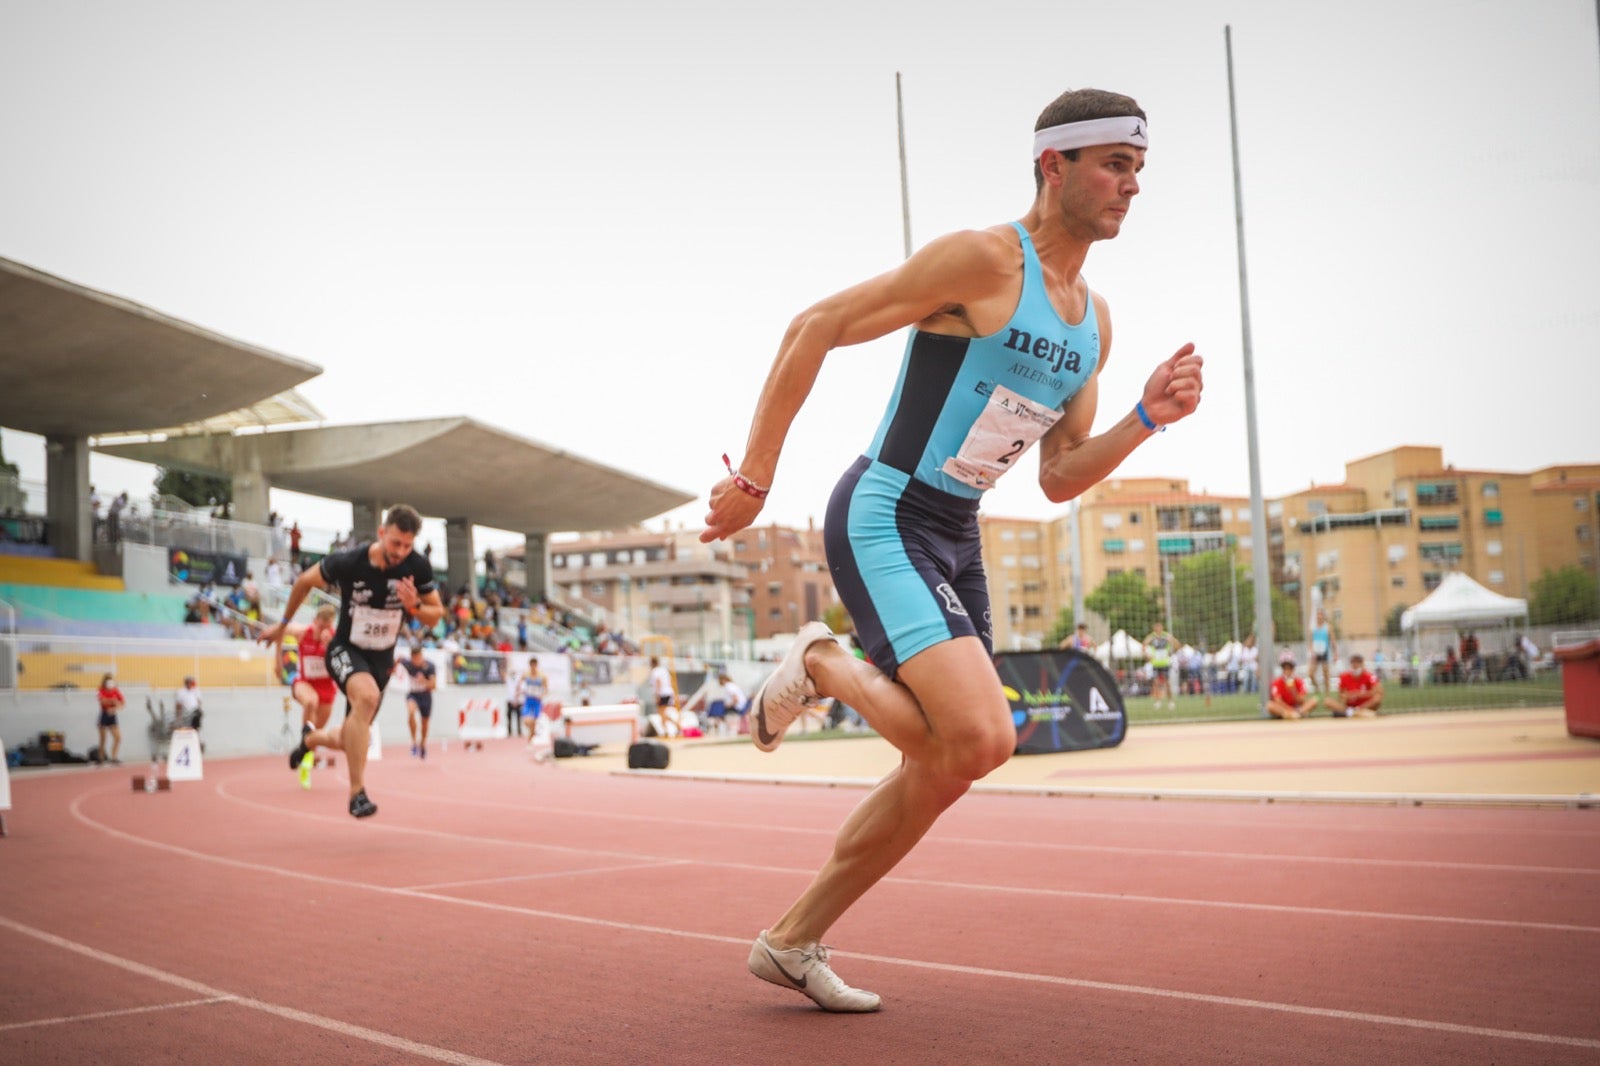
361 807
297 754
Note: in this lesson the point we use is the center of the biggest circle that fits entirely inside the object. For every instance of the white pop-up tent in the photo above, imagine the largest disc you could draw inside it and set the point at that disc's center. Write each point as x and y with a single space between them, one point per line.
1120 648
1461 603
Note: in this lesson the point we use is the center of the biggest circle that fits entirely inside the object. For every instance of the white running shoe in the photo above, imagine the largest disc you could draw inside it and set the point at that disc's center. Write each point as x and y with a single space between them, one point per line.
806 971
786 691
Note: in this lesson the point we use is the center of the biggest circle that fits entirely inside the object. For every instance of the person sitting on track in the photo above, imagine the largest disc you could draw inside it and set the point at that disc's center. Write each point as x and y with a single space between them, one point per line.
1360 692
1289 698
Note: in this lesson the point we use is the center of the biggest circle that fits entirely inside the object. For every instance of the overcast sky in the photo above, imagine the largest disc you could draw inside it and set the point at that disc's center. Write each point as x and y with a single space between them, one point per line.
589 224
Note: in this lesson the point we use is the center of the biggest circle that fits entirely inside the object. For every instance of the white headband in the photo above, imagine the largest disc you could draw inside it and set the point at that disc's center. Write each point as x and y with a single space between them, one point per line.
1127 129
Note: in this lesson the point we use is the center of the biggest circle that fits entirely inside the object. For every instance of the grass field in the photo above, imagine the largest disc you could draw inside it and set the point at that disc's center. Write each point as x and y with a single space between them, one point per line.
1542 691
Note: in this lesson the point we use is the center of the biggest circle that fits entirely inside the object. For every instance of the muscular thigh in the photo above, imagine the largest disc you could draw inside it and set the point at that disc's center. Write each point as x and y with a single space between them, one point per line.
958 689
356 672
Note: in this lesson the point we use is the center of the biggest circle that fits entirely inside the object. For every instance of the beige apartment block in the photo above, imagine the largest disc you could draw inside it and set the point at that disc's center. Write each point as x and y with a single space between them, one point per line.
1368 547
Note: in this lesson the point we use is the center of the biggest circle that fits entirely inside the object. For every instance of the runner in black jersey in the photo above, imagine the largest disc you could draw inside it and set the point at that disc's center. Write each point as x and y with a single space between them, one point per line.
1005 349
379 584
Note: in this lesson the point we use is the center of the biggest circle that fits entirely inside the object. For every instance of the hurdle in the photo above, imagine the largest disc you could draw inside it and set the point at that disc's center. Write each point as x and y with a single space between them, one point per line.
605 724
478 720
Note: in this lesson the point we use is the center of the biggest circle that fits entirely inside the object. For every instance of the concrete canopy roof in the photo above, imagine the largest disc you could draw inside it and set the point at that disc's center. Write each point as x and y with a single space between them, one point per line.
445 467
76 362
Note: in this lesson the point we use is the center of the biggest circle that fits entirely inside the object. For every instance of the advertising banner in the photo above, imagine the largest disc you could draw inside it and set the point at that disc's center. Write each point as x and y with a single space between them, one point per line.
207 568
1061 700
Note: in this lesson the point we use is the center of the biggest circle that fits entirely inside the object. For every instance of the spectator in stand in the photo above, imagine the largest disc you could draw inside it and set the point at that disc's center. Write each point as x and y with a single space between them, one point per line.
294 542
1289 698
1360 692
114 517
111 703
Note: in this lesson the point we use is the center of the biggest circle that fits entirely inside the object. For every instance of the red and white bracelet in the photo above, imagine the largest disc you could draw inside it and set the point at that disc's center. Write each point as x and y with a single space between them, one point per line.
744 484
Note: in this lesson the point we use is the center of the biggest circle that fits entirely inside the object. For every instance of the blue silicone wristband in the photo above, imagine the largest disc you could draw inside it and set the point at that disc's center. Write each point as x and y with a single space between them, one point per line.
1149 423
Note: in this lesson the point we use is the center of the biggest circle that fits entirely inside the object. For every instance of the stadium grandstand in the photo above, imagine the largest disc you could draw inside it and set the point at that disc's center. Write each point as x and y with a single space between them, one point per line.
154 591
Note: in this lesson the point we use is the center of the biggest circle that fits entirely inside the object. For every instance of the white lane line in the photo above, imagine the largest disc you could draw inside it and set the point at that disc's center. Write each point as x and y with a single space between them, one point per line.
1051 979
547 875
98 1015
893 879
1037 845
359 1032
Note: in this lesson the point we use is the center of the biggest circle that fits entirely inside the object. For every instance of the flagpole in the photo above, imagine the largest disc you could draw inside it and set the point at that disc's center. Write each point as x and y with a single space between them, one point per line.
905 194
1261 553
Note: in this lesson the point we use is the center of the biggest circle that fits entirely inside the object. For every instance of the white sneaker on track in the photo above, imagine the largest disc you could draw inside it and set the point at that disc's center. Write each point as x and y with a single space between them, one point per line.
806 970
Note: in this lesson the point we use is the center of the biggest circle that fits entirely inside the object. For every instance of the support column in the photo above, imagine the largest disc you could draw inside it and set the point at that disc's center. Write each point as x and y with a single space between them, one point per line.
70 529
250 488
364 518
459 558
536 560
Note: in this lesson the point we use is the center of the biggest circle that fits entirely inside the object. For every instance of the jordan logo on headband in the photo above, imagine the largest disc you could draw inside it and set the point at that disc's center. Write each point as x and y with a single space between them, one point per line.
1091 132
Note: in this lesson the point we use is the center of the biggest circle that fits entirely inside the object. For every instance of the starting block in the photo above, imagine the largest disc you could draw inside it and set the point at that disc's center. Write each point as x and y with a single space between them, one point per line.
183 757
142 783
476 721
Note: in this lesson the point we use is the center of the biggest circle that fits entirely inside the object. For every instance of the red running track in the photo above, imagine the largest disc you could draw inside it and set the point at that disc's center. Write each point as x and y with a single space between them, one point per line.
498 911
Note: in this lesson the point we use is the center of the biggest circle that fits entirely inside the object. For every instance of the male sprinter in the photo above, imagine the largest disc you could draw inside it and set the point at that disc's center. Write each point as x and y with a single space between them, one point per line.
314 689
379 584
421 679
1005 345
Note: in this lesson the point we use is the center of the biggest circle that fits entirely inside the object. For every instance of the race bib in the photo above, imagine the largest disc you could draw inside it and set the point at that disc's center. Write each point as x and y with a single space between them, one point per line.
1009 425
374 628
314 668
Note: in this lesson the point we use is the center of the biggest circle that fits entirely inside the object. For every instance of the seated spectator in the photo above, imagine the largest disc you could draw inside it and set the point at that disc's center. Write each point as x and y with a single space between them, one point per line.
1360 692
1288 698
732 704
186 709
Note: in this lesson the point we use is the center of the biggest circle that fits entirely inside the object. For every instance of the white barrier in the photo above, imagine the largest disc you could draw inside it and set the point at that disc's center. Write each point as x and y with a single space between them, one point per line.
607 725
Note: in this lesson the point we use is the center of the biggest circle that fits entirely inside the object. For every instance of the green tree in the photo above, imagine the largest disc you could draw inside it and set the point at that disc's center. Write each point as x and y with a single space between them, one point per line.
196 490
1063 627
1208 594
1285 615
1562 596
1391 621
1126 602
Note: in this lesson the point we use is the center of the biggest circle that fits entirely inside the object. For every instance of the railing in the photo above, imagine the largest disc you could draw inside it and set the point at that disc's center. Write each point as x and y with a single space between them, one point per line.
43 662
